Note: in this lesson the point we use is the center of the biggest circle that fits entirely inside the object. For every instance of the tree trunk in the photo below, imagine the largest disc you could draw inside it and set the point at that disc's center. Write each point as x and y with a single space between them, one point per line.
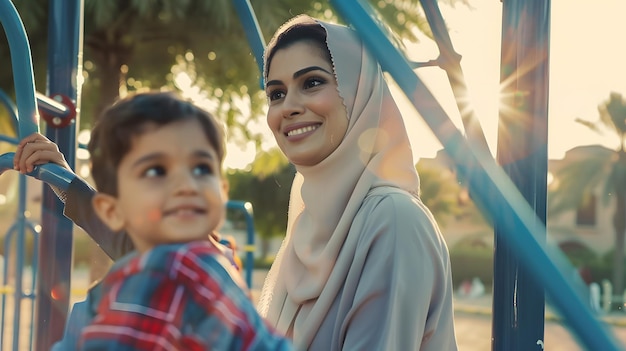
111 77
110 55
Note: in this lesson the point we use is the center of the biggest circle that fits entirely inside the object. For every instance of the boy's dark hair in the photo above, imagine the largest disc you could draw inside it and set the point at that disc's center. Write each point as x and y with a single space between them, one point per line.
297 29
112 136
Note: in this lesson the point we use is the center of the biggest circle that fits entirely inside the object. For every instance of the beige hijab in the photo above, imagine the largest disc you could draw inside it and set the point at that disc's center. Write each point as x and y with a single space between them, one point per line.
326 197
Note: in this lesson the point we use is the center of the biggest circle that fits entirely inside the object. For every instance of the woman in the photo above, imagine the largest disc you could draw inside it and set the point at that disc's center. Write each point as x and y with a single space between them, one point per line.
363 265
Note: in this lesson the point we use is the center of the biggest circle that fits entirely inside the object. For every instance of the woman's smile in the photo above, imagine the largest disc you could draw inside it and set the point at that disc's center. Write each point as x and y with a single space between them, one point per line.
300 131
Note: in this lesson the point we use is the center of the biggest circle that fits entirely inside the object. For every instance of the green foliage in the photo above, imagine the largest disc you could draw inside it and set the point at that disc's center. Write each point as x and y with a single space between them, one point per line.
601 268
133 44
439 191
260 262
613 112
579 254
472 257
267 189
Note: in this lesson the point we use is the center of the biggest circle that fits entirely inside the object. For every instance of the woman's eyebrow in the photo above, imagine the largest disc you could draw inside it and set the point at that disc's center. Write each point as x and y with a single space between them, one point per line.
309 69
298 74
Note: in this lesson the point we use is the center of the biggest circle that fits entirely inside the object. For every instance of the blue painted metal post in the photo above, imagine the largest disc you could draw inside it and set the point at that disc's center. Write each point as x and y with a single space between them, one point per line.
64 65
518 302
246 209
253 32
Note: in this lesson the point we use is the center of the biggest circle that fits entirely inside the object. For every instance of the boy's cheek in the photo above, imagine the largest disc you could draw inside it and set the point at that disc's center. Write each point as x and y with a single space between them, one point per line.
154 215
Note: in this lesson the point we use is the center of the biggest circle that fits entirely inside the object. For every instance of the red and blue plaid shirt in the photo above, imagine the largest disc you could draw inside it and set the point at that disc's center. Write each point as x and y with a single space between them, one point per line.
175 297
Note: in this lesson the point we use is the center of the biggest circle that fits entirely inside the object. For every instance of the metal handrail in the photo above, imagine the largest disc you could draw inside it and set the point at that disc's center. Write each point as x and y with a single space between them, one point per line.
22 63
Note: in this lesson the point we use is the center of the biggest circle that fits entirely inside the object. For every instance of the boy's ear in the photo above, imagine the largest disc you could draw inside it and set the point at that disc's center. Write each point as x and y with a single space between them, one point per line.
106 208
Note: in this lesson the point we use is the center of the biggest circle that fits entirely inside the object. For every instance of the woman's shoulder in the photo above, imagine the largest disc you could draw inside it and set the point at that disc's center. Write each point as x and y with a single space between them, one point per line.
398 202
392 214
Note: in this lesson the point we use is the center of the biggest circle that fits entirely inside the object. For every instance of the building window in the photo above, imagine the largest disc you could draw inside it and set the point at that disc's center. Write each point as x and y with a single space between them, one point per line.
586 212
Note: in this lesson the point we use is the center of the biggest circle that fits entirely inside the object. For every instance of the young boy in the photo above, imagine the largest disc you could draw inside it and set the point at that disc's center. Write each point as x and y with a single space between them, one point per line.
156 161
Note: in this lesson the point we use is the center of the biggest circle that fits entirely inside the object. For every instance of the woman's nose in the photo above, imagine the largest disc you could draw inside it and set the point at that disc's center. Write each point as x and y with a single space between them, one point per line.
292 106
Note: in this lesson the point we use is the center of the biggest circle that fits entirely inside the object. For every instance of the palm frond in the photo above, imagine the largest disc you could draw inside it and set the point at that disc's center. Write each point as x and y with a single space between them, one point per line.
586 169
591 125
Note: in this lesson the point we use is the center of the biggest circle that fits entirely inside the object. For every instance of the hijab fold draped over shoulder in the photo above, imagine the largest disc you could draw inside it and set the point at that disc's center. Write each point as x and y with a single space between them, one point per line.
314 259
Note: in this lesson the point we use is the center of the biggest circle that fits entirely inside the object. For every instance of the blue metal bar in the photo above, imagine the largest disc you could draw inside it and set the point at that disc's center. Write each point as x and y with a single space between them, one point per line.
54 175
518 304
22 63
253 32
9 139
495 194
49 173
19 261
55 259
33 287
6 161
246 209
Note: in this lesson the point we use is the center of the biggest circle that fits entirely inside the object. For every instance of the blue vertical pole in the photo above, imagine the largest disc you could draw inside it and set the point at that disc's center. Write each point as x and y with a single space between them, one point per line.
249 248
518 302
246 209
253 32
55 256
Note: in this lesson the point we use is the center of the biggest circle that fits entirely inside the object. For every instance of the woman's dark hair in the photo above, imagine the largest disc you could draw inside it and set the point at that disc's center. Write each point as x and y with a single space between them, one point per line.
112 136
295 30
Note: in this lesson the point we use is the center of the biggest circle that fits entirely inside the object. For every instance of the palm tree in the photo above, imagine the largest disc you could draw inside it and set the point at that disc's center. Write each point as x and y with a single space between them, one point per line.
599 168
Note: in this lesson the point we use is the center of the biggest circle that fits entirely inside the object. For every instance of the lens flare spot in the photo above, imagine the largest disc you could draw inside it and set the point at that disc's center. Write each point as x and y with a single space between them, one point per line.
58 292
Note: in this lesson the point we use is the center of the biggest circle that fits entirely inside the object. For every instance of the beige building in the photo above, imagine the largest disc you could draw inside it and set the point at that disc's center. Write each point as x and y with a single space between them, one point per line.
590 225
